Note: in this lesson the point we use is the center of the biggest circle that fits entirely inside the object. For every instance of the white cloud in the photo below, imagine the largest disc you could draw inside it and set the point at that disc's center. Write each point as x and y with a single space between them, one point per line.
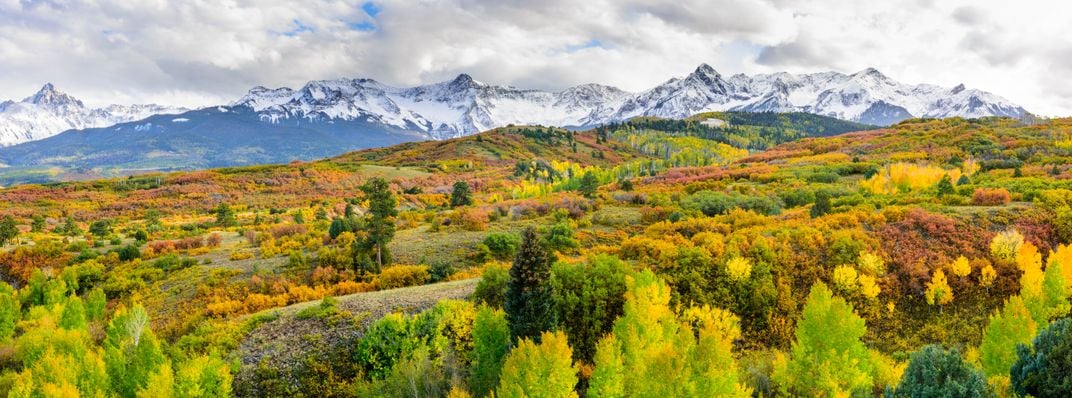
202 52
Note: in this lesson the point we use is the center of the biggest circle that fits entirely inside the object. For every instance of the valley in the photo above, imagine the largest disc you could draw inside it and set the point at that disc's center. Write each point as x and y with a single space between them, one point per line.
784 254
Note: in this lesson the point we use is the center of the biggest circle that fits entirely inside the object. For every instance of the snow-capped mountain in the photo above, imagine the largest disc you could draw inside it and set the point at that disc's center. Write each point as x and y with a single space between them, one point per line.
443 110
464 106
50 112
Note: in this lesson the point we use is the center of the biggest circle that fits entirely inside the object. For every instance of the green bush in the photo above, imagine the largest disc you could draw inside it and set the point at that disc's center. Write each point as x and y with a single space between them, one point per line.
502 245
491 290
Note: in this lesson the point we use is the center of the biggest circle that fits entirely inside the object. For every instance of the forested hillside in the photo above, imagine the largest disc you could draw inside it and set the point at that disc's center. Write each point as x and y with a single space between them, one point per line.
772 255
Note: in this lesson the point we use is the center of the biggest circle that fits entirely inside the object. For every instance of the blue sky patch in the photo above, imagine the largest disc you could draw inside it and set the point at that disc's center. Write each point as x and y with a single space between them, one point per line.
371 9
299 28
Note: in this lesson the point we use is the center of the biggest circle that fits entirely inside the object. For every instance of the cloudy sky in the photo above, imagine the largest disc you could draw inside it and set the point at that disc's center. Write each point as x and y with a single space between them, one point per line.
197 52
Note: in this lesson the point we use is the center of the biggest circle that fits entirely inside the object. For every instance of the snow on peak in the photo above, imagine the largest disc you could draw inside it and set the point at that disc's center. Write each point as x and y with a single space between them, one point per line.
50 111
49 96
463 106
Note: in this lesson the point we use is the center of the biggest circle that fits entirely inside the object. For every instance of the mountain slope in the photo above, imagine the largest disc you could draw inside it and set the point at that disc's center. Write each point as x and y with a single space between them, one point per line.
49 112
210 137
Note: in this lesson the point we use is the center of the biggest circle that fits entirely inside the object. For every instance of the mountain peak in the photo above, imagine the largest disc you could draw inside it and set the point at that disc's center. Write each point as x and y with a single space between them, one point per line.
48 95
464 81
870 72
705 69
957 89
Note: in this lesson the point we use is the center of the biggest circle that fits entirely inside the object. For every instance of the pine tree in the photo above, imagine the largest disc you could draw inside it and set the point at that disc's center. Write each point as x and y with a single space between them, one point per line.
822 204
461 195
380 224
1044 368
8 230
935 372
529 304
225 217
963 180
38 223
945 186
589 184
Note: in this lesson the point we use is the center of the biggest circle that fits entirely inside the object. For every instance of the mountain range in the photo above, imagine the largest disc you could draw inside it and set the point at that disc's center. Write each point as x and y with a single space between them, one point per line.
49 112
329 117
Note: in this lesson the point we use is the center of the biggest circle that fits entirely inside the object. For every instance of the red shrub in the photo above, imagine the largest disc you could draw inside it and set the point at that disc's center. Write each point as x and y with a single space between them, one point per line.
991 197
288 230
920 242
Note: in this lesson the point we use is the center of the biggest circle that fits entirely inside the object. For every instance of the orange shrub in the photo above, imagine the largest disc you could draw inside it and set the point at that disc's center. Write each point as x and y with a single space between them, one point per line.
351 287
302 293
402 276
470 219
288 230
223 308
214 240
991 197
256 302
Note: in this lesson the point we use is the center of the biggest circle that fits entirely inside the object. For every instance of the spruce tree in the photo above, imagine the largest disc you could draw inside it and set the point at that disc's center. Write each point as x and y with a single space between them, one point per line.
529 304
225 217
380 224
462 195
8 230
945 186
589 184
822 204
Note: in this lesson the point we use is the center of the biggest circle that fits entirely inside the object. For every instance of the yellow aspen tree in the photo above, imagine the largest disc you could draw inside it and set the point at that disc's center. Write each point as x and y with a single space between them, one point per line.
961 267
938 291
869 287
987 275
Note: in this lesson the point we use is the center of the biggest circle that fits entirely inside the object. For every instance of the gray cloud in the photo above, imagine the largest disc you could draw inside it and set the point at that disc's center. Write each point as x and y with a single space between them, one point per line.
200 53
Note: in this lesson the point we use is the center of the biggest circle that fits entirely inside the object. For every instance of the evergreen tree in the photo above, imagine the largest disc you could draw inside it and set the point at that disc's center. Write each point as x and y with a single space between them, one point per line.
822 204
935 372
945 186
589 184
225 217
461 195
8 230
529 304
38 223
1017 173
963 180
380 223
70 227
100 228
1044 368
